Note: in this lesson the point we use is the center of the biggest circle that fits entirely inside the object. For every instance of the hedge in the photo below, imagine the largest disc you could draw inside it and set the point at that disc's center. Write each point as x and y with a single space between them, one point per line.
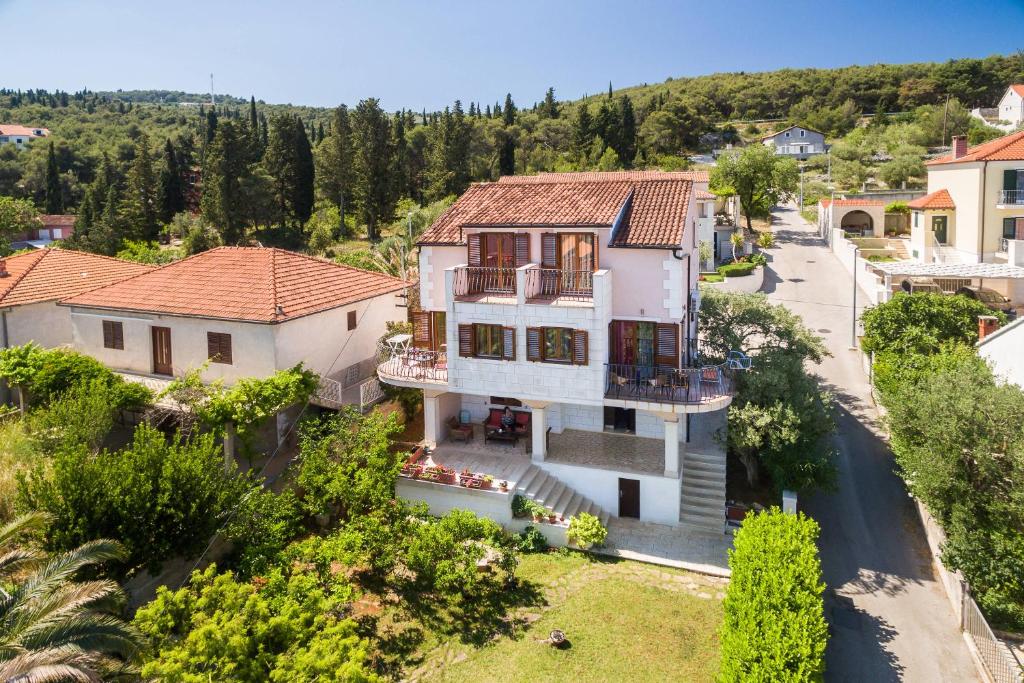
774 627
736 269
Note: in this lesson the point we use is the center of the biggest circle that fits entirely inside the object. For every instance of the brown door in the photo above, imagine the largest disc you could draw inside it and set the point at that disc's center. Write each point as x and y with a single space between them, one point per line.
162 351
629 498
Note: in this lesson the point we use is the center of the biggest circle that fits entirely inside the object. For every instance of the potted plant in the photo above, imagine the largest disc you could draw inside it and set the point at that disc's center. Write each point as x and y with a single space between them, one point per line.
520 506
486 481
503 486
552 517
586 531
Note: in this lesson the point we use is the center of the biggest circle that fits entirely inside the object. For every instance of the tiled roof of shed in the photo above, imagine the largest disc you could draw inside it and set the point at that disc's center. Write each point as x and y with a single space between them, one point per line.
940 199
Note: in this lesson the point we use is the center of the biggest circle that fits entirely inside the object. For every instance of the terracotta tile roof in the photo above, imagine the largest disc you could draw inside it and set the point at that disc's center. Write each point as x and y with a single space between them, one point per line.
852 202
705 195
1018 88
939 199
1007 148
50 220
53 274
700 176
13 129
654 205
254 284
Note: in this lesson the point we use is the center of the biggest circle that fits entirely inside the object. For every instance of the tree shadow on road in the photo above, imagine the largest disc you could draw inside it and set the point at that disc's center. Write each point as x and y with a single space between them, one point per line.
874 660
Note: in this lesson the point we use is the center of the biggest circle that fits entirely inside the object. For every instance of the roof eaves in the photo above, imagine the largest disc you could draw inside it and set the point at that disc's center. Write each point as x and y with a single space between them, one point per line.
1002 330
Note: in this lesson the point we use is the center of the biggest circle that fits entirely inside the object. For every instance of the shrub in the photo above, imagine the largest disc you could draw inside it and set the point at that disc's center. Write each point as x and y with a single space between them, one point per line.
586 530
83 415
758 259
922 323
18 453
736 269
774 627
531 540
766 239
897 207
262 527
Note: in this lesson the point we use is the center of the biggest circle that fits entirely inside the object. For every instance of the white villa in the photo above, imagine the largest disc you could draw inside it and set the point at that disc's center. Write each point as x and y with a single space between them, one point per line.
1008 114
570 299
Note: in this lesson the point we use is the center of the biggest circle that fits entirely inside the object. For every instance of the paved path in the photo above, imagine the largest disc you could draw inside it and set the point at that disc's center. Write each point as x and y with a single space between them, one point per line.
889 617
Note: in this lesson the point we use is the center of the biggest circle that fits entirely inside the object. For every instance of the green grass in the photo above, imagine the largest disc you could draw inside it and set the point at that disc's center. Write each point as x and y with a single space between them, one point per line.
712 277
17 453
620 622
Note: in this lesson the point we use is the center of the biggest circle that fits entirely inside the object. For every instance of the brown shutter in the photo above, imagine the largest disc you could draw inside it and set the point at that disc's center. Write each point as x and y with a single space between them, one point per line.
118 329
218 347
421 329
522 249
508 343
225 349
473 242
597 261
549 250
579 347
467 341
666 344
533 348
108 334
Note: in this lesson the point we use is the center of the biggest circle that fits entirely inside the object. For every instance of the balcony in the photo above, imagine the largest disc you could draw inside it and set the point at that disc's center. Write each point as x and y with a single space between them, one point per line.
551 285
1012 198
412 367
473 283
706 388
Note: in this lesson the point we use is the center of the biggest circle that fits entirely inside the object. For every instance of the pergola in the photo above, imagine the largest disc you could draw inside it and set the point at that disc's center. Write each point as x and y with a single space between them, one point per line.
963 271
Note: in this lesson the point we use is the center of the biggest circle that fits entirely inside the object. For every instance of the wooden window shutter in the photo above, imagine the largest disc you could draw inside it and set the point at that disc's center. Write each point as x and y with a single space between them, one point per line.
521 249
597 260
118 335
467 341
113 335
218 347
421 329
473 242
533 347
666 344
549 250
508 343
579 347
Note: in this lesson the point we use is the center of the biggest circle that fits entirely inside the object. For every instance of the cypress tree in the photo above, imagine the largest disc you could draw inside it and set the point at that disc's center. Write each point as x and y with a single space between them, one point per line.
401 170
54 194
171 188
550 107
211 125
507 153
302 201
140 201
225 168
254 121
627 132
334 174
372 163
488 111
609 90
582 132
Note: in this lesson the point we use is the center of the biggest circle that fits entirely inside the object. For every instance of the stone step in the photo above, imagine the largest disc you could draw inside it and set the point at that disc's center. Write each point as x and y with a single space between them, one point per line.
537 484
531 473
717 527
559 504
701 466
709 458
704 497
573 506
547 493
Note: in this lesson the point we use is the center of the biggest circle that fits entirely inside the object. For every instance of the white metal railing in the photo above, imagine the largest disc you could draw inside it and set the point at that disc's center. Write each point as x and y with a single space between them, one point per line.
1011 196
995 655
328 391
412 364
370 392
1004 244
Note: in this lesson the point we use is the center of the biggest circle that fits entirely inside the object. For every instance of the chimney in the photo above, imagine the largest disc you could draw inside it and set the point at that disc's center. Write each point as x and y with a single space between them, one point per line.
959 146
987 324
3 268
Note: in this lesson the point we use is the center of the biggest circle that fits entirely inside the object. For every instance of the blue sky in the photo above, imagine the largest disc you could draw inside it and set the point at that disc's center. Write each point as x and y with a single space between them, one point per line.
426 53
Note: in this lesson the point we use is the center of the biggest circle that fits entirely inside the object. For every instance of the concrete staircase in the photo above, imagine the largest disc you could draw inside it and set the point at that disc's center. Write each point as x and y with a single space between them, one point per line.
899 248
541 486
703 492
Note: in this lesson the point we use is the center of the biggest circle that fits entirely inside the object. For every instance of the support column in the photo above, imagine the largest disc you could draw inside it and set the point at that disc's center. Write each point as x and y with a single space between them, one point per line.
672 446
538 429
433 421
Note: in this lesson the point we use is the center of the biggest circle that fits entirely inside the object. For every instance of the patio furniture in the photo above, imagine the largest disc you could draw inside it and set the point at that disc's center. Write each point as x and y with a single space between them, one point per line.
398 343
493 429
459 432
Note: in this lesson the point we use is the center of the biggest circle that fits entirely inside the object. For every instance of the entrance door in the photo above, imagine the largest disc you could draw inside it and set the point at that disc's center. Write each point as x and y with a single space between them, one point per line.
162 351
629 498
939 228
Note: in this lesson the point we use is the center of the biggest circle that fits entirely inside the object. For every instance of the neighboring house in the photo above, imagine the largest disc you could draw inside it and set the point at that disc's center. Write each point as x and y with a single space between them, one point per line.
20 135
1008 114
571 298
52 227
241 312
863 216
1002 348
796 141
31 284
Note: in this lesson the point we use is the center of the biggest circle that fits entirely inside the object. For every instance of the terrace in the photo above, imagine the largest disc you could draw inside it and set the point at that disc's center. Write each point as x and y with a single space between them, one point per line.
709 387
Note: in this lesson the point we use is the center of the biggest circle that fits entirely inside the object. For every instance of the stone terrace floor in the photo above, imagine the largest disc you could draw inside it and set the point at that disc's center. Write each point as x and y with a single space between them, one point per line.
608 451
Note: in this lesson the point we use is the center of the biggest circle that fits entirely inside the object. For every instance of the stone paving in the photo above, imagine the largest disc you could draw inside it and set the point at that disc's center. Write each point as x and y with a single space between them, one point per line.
607 450
670 546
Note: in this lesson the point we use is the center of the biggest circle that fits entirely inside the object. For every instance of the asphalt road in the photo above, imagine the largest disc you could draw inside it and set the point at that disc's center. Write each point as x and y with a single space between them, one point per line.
889 617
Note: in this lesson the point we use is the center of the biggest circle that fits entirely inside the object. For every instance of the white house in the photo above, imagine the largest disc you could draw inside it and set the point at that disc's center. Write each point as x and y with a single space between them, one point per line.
31 284
572 300
20 135
1002 348
242 312
1009 113
798 142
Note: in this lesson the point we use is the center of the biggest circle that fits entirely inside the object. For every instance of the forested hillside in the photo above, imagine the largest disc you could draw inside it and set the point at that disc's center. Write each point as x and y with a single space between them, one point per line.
124 161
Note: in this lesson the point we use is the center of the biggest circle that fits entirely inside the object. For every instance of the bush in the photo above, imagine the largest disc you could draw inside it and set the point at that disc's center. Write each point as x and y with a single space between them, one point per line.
18 453
531 540
897 207
83 415
774 627
527 507
922 323
262 527
736 269
758 259
766 239
586 530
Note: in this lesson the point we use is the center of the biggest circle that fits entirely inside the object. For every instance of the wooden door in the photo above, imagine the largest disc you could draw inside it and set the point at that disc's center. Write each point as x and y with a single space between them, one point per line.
629 498
162 351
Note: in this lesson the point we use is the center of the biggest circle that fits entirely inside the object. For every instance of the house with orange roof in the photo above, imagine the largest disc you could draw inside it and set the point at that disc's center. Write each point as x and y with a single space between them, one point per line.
237 312
556 341
32 283
20 136
1009 113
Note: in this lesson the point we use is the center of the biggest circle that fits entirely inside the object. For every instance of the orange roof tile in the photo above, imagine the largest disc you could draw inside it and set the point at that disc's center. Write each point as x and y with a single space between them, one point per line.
253 284
51 220
852 202
700 176
940 199
705 195
1007 148
14 129
53 274
653 205
1018 88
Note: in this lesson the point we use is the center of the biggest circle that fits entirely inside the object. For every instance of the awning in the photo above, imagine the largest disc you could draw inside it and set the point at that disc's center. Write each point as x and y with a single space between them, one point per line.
950 270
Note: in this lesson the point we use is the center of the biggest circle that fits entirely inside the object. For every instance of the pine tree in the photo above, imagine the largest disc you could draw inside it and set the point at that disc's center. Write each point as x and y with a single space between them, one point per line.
254 121
334 174
54 192
225 169
582 132
626 148
289 161
497 110
372 163
140 200
171 187
549 109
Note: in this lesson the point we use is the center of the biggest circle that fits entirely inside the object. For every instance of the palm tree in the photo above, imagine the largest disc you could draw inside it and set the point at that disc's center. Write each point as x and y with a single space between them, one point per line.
53 628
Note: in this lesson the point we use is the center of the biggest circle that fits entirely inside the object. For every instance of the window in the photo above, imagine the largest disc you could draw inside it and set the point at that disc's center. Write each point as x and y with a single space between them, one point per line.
803 133
218 347
113 335
352 322
1013 228
556 345
787 134
487 341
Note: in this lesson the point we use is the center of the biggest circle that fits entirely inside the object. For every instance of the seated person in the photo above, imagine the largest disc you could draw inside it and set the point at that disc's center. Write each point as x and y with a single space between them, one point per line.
508 420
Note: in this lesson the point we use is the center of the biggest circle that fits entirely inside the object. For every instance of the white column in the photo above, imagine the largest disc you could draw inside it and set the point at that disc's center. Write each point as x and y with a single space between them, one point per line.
433 426
539 420
672 447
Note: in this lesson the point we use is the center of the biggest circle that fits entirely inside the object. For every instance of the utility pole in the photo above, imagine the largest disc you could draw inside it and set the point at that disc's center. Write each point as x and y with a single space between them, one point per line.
945 113
801 188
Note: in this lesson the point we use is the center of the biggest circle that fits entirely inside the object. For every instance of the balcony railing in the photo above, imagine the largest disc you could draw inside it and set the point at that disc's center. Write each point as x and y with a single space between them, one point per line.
668 385
1004 244
473 282
549 284
412 365
1011 196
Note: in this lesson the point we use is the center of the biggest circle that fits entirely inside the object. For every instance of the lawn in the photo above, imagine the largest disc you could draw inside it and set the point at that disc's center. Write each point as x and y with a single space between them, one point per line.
17 454
623 620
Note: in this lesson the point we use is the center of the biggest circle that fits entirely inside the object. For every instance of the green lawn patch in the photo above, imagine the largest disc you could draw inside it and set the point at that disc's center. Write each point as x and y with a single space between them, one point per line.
711 277
736 269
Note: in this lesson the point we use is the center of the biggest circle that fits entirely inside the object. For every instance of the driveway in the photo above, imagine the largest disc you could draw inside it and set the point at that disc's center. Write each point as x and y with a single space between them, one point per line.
890 619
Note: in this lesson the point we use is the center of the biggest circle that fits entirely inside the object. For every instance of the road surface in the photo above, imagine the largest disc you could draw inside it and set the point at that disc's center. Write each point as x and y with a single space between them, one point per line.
889 617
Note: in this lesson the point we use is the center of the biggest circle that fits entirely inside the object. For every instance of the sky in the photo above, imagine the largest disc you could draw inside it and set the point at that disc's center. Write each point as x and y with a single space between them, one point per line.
426 53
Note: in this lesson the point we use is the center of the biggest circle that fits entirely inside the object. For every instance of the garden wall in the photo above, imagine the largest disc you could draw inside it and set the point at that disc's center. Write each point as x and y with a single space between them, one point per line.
746 284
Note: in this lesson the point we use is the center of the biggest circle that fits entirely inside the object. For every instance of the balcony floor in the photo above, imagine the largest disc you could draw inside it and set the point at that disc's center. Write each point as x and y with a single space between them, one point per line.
508 299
